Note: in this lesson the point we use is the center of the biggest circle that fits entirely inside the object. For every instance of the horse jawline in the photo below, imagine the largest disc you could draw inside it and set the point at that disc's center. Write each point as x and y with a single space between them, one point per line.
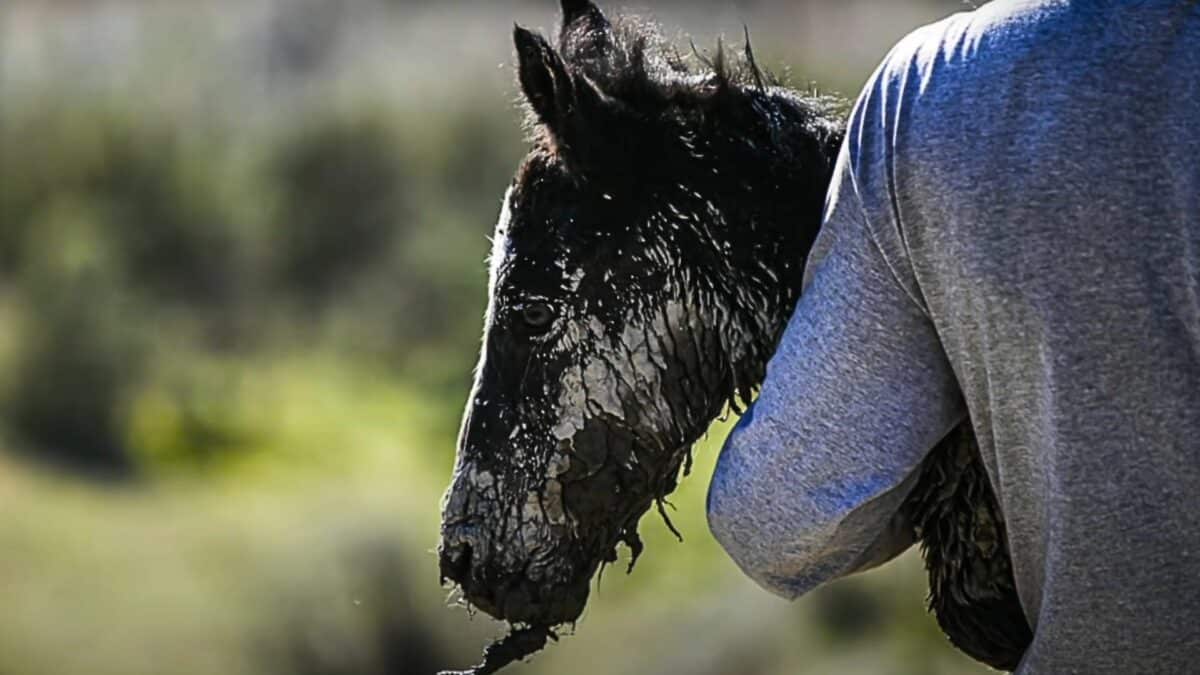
971 588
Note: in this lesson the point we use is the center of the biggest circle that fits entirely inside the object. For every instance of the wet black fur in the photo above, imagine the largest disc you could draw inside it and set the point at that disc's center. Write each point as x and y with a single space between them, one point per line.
628 118
630 140
961 531
628 144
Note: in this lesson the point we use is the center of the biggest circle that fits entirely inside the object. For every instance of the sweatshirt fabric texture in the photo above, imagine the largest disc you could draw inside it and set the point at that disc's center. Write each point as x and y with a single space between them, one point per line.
1012 236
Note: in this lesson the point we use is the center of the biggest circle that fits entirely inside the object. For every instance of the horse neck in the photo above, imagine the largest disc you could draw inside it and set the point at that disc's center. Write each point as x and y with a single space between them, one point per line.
792 221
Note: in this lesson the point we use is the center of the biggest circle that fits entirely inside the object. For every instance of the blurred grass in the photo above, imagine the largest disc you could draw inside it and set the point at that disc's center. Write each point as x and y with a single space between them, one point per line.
241 283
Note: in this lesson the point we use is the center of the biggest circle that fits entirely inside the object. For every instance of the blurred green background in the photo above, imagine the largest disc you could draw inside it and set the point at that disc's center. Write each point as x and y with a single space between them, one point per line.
241 289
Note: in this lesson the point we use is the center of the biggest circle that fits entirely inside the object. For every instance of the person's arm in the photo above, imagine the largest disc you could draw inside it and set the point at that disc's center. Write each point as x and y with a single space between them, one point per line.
809 484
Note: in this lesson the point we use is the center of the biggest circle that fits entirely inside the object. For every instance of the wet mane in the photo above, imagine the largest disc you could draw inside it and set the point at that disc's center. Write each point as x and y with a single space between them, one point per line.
682 106
635 62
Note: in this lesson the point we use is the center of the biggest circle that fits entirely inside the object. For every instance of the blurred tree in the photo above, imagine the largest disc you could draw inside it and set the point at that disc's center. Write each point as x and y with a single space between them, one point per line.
340 188
80 353
167 217
156 193
393 637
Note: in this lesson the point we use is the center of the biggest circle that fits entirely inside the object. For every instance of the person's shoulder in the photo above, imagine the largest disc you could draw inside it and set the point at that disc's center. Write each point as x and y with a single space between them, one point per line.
939 75
981 43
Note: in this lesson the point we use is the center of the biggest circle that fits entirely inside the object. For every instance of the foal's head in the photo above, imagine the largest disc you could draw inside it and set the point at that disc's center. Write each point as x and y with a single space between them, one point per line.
648 254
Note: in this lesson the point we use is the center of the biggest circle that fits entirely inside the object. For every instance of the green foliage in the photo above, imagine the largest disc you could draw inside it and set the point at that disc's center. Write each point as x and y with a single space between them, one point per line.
148 191
77 356
73 377
342 205
131 240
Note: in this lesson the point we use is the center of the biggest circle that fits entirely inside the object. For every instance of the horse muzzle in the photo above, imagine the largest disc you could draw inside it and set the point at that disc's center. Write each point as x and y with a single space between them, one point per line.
503 591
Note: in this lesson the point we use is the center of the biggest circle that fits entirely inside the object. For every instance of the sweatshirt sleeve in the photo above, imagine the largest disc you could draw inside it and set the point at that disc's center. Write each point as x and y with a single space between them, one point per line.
809 484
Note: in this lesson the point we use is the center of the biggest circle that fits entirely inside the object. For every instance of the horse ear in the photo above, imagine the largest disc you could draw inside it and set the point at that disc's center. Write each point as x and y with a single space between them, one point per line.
586 33
544 78
566 102
575 9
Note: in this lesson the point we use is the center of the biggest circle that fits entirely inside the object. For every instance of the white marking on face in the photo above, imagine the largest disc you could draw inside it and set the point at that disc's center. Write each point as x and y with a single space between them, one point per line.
501 249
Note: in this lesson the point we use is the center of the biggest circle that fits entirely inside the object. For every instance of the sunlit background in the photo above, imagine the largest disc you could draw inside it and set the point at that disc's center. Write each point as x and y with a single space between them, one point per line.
241 289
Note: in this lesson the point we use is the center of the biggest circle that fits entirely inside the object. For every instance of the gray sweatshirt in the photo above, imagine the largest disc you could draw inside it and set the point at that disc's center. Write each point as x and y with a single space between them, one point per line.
1013 235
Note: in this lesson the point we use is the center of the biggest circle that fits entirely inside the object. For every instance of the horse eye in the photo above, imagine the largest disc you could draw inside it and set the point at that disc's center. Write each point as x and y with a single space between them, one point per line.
538 315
